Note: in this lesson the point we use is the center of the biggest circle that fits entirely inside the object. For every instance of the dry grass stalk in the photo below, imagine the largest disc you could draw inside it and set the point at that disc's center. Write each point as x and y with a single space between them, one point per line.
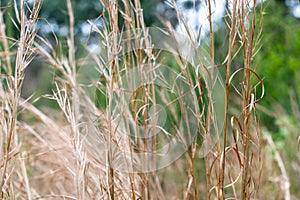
11 95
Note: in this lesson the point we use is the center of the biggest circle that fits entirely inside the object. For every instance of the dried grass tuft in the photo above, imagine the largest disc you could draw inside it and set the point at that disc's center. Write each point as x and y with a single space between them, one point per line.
50 153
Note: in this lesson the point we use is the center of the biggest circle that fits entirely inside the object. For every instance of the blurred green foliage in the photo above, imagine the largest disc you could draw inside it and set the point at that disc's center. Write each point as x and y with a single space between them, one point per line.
278 61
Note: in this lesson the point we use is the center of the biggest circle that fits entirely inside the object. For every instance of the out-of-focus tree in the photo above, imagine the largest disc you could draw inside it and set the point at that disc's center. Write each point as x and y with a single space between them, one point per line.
55 12
278 60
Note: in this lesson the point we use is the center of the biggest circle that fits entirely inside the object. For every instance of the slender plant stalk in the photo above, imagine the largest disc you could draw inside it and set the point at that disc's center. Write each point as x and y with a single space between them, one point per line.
14 98
113 12
232 36
248 49
210 104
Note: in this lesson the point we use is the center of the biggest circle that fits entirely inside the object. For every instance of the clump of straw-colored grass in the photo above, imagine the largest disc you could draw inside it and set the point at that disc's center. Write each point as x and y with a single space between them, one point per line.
69 153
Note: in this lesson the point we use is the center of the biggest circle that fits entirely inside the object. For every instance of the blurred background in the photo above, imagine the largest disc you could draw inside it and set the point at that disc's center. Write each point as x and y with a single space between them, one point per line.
278 61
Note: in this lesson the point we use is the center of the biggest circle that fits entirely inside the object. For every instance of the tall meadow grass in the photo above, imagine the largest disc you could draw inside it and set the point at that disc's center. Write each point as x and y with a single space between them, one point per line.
144 119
